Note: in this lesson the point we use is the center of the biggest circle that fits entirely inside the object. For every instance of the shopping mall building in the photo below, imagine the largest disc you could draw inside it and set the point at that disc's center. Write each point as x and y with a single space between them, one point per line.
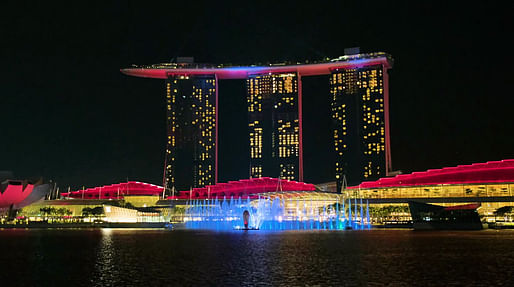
490 184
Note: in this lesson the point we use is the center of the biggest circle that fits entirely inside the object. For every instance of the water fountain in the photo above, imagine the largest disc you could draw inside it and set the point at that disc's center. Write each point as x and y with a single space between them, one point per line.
266 213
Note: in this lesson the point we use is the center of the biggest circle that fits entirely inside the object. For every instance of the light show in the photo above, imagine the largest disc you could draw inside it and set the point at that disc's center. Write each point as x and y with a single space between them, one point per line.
268 213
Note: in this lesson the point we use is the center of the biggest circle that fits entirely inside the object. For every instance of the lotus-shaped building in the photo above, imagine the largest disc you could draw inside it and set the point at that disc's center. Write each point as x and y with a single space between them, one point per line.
20 193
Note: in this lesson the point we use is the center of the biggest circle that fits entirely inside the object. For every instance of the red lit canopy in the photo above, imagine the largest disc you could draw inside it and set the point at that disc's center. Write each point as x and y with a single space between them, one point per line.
116 191
244 188
488 172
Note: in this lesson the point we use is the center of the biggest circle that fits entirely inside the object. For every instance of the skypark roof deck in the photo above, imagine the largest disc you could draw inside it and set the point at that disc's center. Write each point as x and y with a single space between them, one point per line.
164 70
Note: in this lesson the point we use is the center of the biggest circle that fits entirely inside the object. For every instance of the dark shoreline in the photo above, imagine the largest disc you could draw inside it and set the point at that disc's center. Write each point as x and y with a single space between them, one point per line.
44 225
86 225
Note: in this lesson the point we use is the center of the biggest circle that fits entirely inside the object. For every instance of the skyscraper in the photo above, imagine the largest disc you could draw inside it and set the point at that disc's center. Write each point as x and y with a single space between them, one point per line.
359 111
273 122
360 123
191 132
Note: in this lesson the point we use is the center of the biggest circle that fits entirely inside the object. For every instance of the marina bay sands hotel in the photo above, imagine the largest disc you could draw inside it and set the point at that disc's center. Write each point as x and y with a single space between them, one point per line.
359 98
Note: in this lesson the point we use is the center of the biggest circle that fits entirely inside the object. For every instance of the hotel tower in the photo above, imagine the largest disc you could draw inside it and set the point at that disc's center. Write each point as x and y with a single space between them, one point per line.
359 100
273 122
360 126
190 159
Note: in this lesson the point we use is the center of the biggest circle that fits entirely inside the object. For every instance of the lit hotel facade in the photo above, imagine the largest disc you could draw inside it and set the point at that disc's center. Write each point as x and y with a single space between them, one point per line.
360 123
359 104
191 132
273 122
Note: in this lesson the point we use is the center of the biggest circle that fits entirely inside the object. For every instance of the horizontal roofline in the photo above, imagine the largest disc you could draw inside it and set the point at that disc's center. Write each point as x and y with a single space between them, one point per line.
165 70
477 173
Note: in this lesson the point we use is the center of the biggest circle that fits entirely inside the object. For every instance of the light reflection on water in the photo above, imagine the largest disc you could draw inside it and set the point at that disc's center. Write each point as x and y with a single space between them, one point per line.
106 271
120 257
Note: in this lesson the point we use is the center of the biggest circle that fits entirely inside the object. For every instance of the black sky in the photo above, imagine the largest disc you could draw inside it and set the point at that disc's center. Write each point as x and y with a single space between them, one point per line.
68 114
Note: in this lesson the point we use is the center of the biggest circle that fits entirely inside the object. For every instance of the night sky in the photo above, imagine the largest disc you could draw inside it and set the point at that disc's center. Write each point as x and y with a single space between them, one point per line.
69 115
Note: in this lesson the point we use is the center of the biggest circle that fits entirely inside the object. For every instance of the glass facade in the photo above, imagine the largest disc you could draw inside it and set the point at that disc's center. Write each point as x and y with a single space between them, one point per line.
273 125
494 191
191 132
444 190
359 122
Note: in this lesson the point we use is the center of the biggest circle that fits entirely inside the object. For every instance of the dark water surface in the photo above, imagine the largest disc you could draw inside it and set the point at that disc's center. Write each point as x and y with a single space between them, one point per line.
121 257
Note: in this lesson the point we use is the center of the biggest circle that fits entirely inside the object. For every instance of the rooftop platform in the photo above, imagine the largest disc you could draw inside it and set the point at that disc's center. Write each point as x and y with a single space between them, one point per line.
165 70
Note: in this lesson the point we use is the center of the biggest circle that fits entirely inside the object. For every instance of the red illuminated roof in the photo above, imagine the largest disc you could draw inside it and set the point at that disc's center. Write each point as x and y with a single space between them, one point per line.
116 191
488 172
245 188
163 71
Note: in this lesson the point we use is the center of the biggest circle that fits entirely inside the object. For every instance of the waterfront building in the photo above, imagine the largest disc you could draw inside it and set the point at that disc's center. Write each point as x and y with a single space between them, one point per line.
491 184
136 197
118 214
77 202
359 95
